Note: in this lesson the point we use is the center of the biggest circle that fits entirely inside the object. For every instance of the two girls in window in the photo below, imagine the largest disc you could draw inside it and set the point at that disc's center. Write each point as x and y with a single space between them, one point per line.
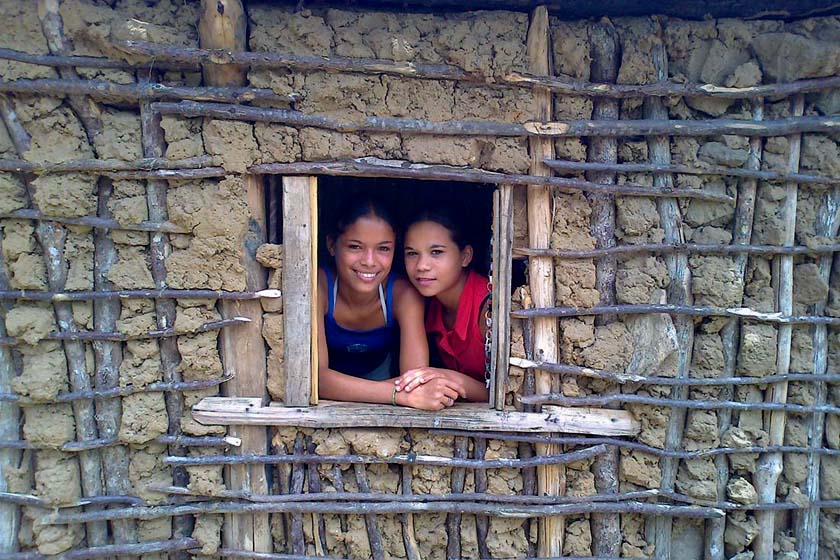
373 323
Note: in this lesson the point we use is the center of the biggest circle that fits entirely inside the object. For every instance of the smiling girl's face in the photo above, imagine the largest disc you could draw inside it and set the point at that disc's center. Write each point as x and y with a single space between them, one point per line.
433 261
364 253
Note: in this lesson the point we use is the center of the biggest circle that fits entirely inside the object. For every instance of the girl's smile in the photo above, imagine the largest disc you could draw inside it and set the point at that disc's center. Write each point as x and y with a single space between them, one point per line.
364 254
434 262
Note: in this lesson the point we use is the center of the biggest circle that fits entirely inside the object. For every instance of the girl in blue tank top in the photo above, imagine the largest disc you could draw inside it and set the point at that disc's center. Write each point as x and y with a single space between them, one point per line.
370 322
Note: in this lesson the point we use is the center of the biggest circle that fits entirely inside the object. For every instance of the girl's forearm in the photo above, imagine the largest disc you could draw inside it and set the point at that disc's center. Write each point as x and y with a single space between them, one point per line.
334 385
476 390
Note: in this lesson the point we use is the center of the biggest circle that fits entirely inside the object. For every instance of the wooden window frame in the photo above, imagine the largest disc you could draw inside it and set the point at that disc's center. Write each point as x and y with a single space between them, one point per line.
300 265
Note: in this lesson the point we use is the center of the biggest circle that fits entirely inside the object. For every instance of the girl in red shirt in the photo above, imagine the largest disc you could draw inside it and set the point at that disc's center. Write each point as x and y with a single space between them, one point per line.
437 261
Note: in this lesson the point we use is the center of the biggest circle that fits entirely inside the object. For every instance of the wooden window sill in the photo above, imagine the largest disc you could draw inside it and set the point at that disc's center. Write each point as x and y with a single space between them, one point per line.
241 411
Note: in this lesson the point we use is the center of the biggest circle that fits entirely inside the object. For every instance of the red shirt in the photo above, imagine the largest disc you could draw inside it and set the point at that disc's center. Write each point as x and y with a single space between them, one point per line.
462 347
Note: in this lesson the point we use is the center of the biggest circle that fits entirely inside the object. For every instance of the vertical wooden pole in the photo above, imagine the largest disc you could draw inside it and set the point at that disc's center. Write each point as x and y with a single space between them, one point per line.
679 292
502 259
770 465
551 478
606 529
298 294
222 26
808 523
741 235
9 423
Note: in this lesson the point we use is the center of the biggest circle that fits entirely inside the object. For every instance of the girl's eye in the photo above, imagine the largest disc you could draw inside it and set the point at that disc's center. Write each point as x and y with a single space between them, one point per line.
411 253
437 252
384 249
353 247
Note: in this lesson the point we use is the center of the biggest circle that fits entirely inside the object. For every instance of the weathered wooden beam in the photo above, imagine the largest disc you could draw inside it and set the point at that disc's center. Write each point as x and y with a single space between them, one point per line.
675 309
668 88
222 24
550 479
226 411
505 510
96 222
666 248
678 293
9 426
730 334
398 169
103 165
156 294
807 528
747 173
606 55
299 238
542 128
112 550
154 146
769 466
502 278
113 92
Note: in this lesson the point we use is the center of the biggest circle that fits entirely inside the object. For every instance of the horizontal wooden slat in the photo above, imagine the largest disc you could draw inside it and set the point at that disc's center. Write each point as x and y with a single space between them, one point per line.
243 411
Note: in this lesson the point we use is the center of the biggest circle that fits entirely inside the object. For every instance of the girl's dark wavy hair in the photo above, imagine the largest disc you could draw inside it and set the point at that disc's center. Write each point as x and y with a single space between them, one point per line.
355 208
462 230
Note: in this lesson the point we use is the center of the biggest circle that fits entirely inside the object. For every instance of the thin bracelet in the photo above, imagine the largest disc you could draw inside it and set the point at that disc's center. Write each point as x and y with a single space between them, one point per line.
394 396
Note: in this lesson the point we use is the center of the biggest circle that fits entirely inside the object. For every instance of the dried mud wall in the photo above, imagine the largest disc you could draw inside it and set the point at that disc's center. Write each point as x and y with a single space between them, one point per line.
130 445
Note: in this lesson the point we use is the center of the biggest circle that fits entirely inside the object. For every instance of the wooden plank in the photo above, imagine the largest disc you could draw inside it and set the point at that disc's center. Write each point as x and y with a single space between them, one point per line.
770 464
473 416
222 25
502 259
550 479
298 239
313 301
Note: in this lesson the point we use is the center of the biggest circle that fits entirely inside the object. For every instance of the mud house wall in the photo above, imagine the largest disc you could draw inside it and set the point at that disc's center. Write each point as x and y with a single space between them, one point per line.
731 53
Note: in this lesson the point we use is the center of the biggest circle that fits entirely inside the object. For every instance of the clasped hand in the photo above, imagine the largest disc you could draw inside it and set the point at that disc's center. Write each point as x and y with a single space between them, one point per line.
429 388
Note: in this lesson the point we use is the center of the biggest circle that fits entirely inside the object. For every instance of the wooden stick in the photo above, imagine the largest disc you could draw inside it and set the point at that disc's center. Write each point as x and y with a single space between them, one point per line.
100 336
412 551
52 237
156 294
668 88
296 487
10 457
337 479
159 248
676 404
453 520
807 528
103 165
108 357
309 63
677 309
110 91
770 465
678 293
385 508
374 167
58 61
319 529
95 222
34 501
550 480
482 522
730 334
107 551
630 377
379 497
75 446
605 51
374 537
115 392
411 459
580 440
744 173
667 248
231 553
542 128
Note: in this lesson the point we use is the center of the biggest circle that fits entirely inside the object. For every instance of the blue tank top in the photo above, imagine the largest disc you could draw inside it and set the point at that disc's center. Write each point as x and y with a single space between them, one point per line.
366 354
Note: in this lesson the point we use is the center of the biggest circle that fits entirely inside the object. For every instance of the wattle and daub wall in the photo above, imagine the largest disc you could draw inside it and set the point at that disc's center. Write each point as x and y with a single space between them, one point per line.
45 466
